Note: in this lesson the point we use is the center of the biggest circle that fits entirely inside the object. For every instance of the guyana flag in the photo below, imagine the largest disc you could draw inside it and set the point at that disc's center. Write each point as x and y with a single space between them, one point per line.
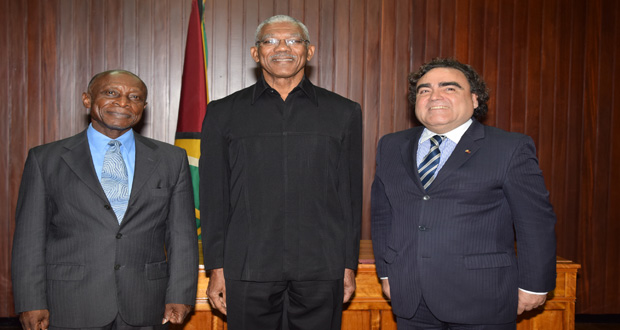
194 96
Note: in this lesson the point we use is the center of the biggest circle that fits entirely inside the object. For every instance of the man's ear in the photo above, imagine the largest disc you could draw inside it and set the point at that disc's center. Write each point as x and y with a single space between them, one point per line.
86 101
310 52
474 100
254 53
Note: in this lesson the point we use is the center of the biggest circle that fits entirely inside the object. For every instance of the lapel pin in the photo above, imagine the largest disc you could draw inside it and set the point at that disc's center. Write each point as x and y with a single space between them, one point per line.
467 151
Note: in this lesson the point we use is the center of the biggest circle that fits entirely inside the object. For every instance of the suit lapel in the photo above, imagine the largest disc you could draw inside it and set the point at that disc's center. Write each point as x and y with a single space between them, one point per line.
147 159
79 160
464 150
408 151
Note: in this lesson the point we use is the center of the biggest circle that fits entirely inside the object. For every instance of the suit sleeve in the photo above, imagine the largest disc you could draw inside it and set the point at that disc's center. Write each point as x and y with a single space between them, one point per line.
214 189
182 240
28 255
380 218
534 220
355 179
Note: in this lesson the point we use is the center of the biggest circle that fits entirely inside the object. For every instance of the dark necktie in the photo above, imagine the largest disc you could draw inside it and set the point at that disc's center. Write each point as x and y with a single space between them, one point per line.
428 166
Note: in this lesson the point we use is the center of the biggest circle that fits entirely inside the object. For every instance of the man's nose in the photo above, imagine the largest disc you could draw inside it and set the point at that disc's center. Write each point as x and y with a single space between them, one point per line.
435 94
282 44
123 100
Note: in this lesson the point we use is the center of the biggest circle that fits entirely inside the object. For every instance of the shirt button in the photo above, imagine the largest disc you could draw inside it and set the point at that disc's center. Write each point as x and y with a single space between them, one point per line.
107 207
426 197
117 267
118 236
422 228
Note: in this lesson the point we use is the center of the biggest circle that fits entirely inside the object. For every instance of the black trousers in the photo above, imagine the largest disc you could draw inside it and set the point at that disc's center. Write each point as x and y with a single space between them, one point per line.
311 305
423 319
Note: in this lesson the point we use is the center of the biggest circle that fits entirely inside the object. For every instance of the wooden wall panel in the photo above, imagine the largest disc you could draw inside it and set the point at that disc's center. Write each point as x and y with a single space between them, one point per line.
603 169
612 287
587 210
6 227
50 50
550 65
14 131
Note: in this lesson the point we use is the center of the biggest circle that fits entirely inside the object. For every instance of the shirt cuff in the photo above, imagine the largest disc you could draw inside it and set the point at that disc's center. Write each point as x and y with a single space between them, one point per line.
537 293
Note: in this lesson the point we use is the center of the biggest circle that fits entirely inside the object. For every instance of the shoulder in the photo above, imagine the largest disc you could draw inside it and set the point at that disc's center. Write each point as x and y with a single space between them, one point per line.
325 96
160 147
224 108
401 136
238 96
500 136
500 143
57 148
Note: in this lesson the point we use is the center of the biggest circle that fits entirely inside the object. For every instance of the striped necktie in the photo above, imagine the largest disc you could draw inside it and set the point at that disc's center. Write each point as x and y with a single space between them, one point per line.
428 166
114 179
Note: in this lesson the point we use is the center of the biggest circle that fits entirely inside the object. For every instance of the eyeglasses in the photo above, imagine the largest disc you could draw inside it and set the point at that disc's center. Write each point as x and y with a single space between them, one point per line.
273 42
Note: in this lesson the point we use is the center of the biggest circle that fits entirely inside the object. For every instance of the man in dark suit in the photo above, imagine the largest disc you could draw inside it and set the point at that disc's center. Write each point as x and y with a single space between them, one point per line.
448 199
105 234
280 191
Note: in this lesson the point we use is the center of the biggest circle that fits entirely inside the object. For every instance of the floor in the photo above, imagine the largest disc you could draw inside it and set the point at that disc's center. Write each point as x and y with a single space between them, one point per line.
596 326
583 323
597 322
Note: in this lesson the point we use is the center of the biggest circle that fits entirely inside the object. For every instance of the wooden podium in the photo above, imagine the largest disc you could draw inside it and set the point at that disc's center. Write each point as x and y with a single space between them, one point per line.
370 310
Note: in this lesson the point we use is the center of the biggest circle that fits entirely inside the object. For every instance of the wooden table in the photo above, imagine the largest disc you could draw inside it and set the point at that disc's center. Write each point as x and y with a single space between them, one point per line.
370 310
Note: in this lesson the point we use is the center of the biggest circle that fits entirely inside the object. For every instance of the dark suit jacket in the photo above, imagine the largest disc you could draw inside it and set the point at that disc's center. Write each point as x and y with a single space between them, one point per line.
454 244
71 256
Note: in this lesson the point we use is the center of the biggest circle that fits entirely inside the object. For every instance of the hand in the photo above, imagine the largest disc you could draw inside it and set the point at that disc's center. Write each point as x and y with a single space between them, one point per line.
35 320
216 291
385 286
176 313
529 301
349 284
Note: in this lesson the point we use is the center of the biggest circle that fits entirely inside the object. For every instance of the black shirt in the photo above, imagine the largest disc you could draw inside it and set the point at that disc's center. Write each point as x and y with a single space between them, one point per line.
281 184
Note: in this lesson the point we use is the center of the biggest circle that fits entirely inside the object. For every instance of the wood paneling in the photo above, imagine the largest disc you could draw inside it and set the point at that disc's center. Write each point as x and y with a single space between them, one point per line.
550 65
50 50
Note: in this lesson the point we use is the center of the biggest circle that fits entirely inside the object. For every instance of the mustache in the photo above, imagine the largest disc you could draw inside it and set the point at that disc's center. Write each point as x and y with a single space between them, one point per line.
283 55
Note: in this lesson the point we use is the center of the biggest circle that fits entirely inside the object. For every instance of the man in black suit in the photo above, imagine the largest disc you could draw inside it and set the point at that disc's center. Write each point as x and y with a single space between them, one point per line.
280 191
105 234
448 199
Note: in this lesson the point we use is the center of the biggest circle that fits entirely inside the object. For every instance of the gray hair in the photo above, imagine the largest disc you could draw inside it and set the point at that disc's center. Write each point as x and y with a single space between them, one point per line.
282 19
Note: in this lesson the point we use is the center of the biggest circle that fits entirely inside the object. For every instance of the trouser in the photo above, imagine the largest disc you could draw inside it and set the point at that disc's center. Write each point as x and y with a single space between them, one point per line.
117 324
259 305
423 319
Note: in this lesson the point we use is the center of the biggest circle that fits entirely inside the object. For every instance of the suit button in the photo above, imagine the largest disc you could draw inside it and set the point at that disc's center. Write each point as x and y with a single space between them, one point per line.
107 207
117 267
426 197
118 236
422 228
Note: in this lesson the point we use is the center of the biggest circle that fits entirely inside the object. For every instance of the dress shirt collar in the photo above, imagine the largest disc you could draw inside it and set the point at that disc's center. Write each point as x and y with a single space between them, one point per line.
305 85
454 135
99 142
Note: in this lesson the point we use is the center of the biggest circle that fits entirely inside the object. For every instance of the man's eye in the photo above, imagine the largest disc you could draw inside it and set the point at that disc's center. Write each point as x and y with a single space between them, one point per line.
111 93
271 42
294 42
422 91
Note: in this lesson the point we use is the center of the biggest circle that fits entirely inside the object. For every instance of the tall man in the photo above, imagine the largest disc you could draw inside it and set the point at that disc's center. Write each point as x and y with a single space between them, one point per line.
445 200
105 234
280 193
